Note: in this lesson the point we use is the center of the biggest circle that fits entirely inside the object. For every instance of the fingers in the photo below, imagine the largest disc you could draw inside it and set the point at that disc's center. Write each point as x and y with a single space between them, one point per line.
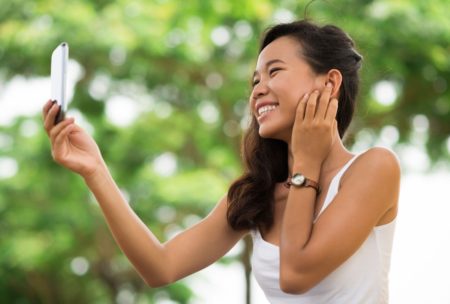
311 106
56 130
64 130
59 142
332 110
325 105
324 101
302 106
50 112
46 108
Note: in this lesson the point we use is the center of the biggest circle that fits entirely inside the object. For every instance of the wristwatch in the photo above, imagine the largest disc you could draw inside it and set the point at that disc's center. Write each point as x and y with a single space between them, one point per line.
299 180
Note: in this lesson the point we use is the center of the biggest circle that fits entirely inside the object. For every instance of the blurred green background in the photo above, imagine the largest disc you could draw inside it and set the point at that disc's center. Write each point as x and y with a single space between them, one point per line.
163 88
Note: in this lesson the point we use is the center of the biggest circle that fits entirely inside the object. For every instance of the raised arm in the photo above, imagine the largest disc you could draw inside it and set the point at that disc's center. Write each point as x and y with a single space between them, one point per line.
368 193
368 196
157 263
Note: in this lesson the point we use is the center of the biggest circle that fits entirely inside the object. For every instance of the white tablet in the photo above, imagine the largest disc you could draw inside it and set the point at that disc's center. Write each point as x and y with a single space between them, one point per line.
60 57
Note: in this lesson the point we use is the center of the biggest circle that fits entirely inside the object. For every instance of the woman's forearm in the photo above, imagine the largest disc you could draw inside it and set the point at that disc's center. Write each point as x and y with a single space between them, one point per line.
296 232
299 212
138 243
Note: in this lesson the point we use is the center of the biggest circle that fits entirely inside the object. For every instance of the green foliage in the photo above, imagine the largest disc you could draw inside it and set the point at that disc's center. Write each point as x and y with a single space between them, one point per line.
186 65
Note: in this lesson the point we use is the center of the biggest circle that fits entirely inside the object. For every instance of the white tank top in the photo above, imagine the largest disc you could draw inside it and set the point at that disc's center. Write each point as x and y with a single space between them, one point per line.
362 278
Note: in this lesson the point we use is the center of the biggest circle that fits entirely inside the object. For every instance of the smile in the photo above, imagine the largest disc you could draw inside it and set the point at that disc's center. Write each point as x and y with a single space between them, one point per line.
265 109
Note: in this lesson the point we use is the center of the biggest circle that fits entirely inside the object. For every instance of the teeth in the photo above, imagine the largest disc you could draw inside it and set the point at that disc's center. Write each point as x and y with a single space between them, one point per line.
266 109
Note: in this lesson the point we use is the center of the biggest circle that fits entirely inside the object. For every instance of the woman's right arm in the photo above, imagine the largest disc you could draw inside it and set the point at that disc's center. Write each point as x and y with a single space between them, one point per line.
157 263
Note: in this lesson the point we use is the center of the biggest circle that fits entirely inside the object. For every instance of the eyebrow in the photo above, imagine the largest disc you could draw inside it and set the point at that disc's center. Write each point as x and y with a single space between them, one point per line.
269 63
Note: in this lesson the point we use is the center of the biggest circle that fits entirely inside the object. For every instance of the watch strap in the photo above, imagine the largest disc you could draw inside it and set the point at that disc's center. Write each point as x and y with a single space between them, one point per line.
312 184
307 183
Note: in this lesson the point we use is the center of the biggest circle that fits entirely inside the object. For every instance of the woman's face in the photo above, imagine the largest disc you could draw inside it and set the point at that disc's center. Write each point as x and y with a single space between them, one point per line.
281 78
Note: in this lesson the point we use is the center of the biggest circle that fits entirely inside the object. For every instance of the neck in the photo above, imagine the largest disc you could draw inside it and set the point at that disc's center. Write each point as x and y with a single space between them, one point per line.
337 156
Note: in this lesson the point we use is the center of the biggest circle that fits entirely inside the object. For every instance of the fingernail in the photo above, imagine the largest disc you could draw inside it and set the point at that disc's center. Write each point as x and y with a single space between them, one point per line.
53 101
329 85
306 96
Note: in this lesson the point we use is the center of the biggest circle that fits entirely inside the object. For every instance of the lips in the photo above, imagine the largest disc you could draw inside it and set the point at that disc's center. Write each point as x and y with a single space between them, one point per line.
265 107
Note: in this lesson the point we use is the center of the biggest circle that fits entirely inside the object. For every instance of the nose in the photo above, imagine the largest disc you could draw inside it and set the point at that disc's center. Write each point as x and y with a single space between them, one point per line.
260 89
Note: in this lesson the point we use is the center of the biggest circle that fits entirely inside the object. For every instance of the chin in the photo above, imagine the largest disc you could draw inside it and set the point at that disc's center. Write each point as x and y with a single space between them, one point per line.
272 134
275 127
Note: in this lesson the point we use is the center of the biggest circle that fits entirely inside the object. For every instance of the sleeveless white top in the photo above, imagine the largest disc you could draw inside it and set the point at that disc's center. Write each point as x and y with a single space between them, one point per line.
362 278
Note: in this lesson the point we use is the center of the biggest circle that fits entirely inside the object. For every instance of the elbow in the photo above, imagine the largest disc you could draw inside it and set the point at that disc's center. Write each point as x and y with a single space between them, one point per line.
295 284
299 272
157 281
294 280
158 275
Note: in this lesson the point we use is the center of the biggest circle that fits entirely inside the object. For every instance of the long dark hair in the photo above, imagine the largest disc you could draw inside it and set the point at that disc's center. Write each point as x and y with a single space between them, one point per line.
250 197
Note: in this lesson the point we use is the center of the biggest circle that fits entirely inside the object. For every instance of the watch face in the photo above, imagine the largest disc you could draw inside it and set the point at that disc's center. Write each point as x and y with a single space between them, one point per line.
298 179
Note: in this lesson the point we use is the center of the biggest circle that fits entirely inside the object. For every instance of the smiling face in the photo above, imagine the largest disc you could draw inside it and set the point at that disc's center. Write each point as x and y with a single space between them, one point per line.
281 78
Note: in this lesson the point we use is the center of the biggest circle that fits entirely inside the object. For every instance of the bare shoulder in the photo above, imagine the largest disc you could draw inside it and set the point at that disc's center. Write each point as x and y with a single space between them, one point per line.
377 168
379 159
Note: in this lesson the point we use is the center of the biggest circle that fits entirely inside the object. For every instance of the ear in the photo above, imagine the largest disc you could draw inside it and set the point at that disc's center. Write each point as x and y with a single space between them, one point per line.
335 77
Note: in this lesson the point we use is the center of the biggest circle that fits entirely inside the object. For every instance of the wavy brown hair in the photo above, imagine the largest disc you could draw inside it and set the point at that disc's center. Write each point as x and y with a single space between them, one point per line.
250 197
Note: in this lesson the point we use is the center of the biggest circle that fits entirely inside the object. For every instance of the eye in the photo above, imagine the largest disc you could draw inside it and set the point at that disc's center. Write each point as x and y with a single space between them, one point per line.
255 82
273 71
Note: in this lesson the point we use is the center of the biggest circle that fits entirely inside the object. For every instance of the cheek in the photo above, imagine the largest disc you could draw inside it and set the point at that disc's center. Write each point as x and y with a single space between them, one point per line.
290 97
284 89
291 89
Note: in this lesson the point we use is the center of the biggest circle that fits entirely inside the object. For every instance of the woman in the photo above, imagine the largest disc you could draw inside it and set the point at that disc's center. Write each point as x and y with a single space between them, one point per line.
322 219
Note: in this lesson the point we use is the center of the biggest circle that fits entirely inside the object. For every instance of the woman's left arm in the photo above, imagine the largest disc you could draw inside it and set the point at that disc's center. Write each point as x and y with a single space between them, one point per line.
310 251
